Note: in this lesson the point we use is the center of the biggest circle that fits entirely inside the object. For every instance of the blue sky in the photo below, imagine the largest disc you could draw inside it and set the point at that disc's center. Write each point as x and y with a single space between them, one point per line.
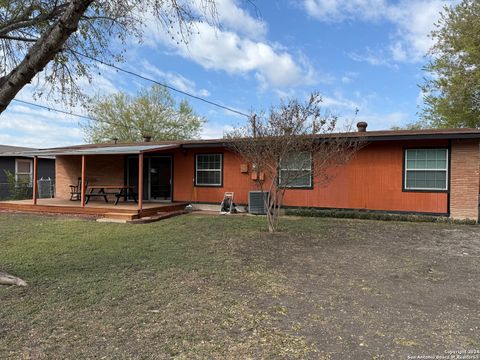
356 53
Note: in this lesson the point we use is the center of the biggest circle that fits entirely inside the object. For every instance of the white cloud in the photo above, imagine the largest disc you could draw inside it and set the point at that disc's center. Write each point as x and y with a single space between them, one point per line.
340 10
226 50
231 15
386 121
349 77
103 82
238 46
375 58
23 126
215 130
413 21
338 102
398 52
176 80
31 126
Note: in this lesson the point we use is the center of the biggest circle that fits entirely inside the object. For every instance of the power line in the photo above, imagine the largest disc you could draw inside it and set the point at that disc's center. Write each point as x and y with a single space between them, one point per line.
133 74
57 110
70 113
162 84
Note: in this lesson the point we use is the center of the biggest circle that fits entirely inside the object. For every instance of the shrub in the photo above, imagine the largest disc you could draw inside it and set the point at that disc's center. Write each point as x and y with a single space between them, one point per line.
357 214
18 189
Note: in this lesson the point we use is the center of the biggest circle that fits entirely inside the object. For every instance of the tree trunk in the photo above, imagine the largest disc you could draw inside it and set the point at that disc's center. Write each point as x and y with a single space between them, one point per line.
272 213
6 279
42 52
270 221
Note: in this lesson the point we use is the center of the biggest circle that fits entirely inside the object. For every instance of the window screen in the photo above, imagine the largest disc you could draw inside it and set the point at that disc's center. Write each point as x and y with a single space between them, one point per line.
23 171
208 169
296 170
426 169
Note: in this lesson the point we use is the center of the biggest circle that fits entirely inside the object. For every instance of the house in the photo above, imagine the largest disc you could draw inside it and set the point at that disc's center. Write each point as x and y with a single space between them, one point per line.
13 160
433 172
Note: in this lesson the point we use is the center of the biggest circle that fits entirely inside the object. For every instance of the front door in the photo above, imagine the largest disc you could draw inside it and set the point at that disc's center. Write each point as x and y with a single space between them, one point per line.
157 177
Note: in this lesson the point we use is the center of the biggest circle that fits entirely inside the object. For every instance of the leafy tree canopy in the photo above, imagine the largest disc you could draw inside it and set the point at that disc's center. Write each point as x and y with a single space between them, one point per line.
152 112
452 90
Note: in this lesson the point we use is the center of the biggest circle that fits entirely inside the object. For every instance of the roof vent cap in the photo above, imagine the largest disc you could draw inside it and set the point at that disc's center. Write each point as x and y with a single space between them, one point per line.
362 126
147 138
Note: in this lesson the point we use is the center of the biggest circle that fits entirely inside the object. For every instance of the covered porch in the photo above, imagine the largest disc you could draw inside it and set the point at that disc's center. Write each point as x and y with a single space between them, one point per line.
125 182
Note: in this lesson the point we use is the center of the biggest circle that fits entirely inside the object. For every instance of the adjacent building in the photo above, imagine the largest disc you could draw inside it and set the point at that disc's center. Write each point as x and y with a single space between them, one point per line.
14 161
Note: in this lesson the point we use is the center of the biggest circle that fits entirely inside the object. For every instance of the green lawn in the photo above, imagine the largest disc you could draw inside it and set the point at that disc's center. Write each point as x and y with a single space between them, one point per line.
221 287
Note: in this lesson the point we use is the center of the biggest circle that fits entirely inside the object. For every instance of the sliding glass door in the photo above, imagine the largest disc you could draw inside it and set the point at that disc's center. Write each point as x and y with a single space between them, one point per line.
157 177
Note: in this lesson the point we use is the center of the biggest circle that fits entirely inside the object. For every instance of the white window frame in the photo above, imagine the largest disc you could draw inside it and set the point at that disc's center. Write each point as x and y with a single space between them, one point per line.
406 170
310 184
213 170
30 161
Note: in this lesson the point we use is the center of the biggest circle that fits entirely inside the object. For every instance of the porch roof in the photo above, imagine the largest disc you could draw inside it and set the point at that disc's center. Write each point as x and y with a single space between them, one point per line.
104 150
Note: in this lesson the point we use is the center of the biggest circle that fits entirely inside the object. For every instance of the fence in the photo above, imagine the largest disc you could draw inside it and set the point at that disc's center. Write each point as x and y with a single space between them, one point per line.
18 191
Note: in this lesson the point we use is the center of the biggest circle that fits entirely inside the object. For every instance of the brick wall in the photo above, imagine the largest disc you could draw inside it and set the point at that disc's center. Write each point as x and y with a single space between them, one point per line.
465 178
100 170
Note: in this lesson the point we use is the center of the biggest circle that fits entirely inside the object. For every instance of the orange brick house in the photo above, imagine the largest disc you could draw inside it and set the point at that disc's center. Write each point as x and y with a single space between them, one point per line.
433 172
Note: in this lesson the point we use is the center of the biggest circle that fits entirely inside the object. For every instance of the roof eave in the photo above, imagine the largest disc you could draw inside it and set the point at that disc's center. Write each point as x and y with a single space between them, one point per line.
423 137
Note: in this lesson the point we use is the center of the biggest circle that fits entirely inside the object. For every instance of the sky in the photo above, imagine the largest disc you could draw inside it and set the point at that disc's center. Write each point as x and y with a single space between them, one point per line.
358 54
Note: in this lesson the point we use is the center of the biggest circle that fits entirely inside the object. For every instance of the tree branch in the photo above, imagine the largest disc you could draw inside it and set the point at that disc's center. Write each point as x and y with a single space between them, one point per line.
25 21
42 52
17 38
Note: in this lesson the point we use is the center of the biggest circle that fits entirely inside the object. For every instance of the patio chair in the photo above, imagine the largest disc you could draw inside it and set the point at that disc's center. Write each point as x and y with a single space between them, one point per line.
76 190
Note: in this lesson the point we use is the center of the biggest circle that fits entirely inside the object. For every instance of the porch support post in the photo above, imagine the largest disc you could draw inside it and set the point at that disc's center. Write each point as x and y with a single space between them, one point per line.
82 190
140 181
34 180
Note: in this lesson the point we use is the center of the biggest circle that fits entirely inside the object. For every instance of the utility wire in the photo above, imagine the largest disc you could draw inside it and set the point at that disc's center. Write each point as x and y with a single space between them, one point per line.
162 84
133 74
68 112
57 110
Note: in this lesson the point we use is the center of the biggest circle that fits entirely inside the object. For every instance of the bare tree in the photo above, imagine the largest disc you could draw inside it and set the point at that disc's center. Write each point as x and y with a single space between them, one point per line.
63 37
295 146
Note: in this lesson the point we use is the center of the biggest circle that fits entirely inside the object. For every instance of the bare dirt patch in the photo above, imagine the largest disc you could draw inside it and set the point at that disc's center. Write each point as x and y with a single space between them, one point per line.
369 289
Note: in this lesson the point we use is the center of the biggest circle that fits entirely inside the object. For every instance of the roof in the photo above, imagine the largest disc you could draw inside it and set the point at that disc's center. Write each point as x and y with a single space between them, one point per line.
457 133
7 149
17 151
137 148
103 149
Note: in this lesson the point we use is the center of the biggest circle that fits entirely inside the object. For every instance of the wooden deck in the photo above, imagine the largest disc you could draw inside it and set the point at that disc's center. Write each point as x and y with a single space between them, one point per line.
100 209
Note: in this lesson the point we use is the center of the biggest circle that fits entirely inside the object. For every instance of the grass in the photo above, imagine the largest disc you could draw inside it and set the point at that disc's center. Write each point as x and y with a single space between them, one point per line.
168 288
221 287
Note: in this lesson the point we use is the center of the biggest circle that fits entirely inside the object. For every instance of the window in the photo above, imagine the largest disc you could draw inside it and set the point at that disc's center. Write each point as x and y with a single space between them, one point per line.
23 171
426 169
208 169
296 170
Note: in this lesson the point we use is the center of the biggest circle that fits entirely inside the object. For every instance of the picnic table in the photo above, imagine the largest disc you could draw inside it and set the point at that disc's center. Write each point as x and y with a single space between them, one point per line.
119 191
